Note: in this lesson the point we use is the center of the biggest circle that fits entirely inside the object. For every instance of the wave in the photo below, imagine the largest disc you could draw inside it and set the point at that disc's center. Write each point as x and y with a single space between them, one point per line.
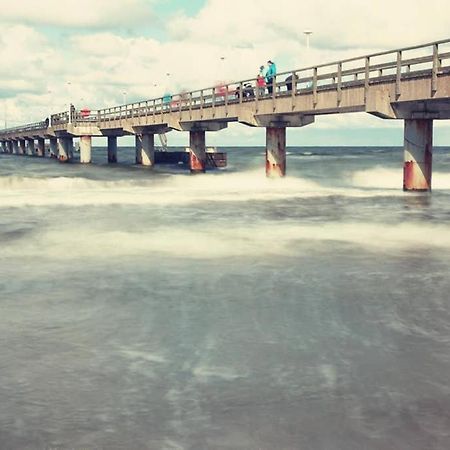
220 242
169 189
383 178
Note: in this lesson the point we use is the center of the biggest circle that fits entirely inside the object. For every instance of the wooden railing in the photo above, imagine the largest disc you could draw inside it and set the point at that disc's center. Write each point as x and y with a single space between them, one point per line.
426 60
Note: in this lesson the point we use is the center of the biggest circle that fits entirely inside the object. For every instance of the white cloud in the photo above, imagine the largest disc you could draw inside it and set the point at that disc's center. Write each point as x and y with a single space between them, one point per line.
101 66
77 13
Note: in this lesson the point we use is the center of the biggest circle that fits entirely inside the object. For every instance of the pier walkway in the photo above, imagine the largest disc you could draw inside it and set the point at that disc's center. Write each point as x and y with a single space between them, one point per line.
411 84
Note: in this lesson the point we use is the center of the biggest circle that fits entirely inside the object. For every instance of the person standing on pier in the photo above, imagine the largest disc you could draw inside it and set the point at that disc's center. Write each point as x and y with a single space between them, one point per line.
270 75
261 82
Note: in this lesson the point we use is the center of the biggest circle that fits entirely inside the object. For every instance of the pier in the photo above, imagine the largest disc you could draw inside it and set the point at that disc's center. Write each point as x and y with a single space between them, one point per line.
410 84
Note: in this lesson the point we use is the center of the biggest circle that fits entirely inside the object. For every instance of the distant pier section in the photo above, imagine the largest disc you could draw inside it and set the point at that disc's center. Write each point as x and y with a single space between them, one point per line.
410 84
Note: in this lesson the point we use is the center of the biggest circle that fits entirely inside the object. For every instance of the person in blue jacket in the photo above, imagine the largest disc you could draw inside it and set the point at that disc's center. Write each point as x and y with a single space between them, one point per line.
270 74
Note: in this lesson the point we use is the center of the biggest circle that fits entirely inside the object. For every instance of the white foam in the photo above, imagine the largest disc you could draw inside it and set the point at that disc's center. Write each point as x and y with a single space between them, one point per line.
384 178
262 239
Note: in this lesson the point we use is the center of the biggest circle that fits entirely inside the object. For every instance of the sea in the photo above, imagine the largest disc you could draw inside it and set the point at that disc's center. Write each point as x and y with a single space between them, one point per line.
154 309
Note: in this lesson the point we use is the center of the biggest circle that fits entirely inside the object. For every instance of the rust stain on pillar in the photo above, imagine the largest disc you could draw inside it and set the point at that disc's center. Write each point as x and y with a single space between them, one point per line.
418 155
275 152
197 154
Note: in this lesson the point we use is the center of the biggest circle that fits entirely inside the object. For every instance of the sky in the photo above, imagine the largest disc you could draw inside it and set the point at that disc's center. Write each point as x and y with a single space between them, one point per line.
101 53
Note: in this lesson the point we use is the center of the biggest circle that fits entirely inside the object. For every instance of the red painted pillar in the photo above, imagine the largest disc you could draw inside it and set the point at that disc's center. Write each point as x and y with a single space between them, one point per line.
275 152
418 155
197 159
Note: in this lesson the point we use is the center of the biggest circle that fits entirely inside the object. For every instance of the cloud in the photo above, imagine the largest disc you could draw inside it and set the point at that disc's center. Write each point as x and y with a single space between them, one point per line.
96 65
78 13
336 24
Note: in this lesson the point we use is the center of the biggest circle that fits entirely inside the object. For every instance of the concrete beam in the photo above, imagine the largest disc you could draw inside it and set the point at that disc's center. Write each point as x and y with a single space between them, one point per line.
151 129
431 109
378 104
203 126
274 120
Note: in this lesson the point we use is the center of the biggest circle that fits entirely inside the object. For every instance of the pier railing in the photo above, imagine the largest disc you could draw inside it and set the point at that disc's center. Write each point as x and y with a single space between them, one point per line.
426 60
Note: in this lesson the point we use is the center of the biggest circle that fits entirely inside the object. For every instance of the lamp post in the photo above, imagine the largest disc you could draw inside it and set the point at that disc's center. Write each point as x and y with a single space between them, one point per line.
69 84
307 34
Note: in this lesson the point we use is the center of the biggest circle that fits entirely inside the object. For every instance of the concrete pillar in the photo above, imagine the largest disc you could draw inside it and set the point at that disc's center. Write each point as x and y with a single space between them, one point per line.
148 150
418 154
138 148
22 147
85 149
16 147
3 147
41 147
112 149
30 147
197 154
53 147
65 149
275 152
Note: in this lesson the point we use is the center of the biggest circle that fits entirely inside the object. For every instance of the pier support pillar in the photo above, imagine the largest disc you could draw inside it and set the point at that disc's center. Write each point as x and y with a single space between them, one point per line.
53 148
30 147
85 149
275 152
41 147
197 154
3 147
16 147
22 147
148 150
65 149
138 148
418 154
112 149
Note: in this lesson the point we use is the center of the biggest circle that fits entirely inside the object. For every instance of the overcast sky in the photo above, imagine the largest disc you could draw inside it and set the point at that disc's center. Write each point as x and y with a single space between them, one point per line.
97 53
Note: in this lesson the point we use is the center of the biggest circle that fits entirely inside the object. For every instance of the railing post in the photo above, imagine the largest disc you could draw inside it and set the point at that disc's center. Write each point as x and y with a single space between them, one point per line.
256 96
241 86
339 83
294 85
226 99
434 70
399 74
366 79
314 86
202 100
274 92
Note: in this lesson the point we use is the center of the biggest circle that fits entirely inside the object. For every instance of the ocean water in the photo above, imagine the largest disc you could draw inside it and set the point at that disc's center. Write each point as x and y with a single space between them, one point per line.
146 309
